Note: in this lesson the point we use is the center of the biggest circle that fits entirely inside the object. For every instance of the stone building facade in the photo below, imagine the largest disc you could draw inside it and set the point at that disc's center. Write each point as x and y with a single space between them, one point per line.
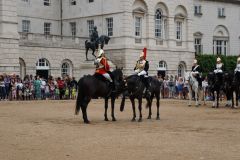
48 36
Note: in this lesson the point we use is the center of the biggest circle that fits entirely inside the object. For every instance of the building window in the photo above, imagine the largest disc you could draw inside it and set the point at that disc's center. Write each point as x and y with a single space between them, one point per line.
198 10
158 24
90 26
47 28
73 2
165 28
73 29
46 2
109 26
181 70
221 12
90 1
198 46
25 26
179 30
138 26
42 63
220 47
65 69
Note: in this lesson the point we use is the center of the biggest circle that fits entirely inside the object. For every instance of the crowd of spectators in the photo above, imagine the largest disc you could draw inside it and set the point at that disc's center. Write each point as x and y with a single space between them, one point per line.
12 87
175 87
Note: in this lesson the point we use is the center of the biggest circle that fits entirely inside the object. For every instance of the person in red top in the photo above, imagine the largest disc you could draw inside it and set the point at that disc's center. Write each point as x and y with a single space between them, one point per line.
102 67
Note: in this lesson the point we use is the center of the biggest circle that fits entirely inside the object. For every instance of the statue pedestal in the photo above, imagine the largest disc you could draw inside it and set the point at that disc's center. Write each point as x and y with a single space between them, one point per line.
87 68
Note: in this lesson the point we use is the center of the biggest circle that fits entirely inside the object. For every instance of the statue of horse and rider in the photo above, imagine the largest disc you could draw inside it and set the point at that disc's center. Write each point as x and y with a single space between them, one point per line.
95 42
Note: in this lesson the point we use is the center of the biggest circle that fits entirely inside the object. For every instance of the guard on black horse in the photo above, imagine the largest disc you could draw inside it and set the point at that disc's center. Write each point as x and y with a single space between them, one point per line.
141 69
196 70
94 36
103 68
236 81
219 69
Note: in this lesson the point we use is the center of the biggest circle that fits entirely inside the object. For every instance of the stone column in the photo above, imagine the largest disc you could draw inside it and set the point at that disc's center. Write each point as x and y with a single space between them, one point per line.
9 37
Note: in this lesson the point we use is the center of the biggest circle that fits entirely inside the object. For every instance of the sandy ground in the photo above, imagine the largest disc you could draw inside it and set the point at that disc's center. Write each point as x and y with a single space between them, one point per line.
48 130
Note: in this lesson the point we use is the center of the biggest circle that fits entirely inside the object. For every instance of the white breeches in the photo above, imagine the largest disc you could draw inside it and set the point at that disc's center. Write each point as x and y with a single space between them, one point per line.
107 76
140 73
218 71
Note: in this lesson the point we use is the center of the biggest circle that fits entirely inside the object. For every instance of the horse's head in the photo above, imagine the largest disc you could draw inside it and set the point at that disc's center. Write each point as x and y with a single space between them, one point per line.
106 39
118 79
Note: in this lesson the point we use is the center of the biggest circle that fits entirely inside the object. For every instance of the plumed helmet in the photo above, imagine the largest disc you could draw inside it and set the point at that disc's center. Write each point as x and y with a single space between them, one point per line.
195 61
141 55
218 59
100 52
238 60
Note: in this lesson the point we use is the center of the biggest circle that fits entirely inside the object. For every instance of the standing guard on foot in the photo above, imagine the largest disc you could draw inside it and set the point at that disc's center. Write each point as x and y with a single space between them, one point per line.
103 68
141 69
196 70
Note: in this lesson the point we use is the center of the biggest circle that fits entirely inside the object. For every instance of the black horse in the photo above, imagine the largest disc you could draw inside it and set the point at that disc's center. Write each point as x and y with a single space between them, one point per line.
91 86
95 45
215 82
228 88
236 86
155 90
135 88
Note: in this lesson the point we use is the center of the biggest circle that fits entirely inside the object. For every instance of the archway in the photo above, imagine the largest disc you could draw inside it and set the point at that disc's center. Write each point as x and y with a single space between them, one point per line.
42 68
22 68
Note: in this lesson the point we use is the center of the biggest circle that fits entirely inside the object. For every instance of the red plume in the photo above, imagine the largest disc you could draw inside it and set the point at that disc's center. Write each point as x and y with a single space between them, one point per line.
145 53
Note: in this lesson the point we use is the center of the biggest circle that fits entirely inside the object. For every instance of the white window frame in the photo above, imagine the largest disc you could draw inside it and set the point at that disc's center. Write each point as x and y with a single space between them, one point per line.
179 29
73 29
159 24
47 28
42 64
221 12
65 69
109 22
220 47
46 2
198 45
90 24
26 26
197 10
138 26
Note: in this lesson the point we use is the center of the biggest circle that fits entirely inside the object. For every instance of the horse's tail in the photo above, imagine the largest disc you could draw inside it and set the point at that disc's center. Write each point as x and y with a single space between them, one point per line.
80 96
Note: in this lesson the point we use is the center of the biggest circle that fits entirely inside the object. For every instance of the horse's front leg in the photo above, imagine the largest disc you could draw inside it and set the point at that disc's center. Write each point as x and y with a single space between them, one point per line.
190 97
87 54
218 94
112 105
133 108
237 96
214 99
93 53
106 108
140 109
150 108
197 95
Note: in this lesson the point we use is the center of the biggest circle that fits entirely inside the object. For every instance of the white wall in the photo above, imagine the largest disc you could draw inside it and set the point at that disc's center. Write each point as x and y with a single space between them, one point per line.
209 21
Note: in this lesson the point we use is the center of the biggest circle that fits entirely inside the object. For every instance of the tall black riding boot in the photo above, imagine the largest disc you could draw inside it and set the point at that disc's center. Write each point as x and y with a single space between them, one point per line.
146 83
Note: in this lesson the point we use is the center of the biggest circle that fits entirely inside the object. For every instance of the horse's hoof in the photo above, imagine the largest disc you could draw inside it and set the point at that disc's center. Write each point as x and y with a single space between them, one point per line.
140 120
87 122
133 120
189 105
213 106
114 119
149 117
158 118
106 119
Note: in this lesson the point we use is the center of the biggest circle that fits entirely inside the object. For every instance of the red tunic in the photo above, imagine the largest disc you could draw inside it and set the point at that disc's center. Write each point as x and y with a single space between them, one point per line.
103 66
